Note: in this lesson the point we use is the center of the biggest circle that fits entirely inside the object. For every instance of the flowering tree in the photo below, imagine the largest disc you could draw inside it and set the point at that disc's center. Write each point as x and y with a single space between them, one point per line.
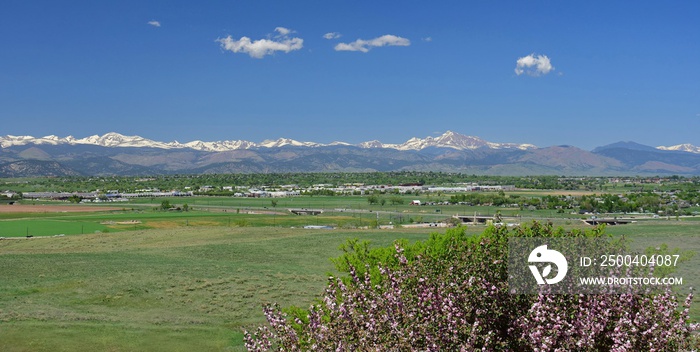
450 294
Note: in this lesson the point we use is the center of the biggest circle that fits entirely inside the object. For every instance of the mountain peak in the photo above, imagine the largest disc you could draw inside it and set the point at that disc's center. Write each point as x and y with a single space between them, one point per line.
625 145
451 134
282 142
455 140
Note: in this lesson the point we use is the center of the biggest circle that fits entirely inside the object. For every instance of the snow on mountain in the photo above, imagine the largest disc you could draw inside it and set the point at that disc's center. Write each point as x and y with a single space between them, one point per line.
686 147
447 140
371 144
282 142
458 141
9 140
525 146
113 139
219 146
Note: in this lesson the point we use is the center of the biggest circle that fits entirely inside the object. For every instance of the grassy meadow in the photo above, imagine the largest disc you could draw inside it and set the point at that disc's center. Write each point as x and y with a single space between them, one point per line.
191 281
180 289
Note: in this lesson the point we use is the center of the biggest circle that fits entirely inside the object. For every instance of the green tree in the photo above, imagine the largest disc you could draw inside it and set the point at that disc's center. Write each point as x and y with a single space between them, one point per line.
75 199
165 205
372 199
394 200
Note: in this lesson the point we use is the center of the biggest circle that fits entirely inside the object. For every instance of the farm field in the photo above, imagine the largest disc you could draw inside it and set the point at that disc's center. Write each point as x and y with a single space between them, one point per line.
140 279
338 211
52 208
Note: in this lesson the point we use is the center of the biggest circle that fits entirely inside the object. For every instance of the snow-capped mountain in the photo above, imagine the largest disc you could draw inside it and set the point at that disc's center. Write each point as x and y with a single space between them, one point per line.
686 147
458 141
447 140
371 144
9 140
25 156
287 142
113 139
219 146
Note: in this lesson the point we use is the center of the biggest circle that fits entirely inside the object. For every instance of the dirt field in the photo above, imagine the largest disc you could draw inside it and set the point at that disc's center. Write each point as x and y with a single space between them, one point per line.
21 208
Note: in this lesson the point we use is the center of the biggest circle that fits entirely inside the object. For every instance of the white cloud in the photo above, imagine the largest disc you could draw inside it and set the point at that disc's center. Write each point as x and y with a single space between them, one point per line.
428 39
365 45
154 23
259 48
332 35
282 31
533 65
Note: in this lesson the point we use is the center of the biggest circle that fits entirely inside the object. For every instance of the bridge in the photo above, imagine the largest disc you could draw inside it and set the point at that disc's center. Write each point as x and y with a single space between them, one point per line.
474 219
619 221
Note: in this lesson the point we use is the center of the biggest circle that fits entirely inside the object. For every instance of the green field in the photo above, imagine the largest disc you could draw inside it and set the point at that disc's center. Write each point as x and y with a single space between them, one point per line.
179 289
184 281
338 211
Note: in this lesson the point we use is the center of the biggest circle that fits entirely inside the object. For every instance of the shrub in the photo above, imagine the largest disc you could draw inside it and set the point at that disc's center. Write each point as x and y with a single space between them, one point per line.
450 293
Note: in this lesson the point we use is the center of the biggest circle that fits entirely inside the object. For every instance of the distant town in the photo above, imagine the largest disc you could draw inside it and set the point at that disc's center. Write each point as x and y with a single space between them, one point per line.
658 195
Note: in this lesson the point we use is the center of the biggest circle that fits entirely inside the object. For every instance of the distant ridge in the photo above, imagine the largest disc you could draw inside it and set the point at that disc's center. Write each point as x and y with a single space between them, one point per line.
626 145
447 140
689 148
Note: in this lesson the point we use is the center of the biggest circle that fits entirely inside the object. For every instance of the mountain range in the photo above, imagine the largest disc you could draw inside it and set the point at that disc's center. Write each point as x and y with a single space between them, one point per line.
448 140
116 154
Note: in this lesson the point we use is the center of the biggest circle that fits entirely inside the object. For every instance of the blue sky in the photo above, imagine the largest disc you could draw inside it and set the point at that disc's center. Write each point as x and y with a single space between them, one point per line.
590 73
